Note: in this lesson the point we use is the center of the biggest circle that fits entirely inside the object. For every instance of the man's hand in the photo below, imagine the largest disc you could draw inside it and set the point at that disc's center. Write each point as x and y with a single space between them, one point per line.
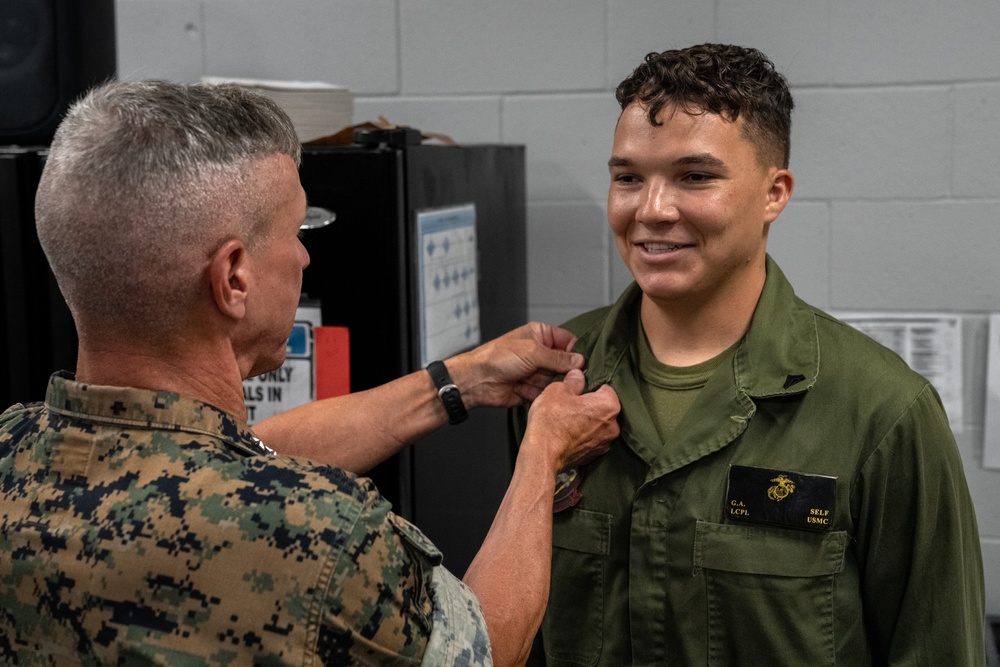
570 427
510 574
515 367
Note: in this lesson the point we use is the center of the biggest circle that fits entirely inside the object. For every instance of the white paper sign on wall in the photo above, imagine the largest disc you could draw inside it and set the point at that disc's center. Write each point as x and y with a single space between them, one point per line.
295 382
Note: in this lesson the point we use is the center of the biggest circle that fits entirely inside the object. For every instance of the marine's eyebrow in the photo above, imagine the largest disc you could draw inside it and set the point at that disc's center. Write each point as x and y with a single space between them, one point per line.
700 160
696 160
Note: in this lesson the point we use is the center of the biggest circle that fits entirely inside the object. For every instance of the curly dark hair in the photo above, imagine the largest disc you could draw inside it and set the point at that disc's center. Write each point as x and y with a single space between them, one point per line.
731 81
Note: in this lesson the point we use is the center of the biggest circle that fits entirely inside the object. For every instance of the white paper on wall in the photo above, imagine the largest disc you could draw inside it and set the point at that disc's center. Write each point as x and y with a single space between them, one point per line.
991 434
449 281
294 383
931 344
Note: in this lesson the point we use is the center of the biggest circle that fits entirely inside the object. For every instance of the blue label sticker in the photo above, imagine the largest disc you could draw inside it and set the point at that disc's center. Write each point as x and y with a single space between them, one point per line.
298 342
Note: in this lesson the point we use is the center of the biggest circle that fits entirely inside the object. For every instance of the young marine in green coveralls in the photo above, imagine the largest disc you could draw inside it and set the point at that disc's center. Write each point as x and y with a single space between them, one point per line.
785 491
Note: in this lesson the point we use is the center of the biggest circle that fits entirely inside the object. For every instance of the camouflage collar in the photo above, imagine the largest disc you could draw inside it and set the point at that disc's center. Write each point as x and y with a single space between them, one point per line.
142 408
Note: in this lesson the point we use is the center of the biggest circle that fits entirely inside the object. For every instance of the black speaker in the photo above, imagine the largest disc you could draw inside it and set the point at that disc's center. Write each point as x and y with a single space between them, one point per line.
51 51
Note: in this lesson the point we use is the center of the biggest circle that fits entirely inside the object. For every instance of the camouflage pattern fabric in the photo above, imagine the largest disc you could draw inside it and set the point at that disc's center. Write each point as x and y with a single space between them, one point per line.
456 610
141 527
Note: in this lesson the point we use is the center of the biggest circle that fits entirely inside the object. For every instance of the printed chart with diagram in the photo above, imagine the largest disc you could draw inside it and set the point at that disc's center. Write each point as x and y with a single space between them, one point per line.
930 344
448 274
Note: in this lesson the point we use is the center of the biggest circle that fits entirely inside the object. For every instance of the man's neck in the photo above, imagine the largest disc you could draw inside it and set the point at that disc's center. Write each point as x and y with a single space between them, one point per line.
691 332
213 379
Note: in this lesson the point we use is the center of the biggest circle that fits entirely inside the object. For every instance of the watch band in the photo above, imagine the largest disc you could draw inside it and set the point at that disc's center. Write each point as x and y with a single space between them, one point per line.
448 392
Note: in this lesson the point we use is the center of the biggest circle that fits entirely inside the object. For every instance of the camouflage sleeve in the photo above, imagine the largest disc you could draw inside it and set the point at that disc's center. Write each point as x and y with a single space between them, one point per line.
378 606
390 602
458 637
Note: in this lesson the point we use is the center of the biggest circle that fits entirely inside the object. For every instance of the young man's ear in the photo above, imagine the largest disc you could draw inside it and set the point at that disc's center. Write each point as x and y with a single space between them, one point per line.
779 193
228 275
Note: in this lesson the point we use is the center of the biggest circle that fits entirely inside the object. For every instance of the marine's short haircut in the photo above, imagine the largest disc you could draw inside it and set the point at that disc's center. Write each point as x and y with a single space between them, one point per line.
732 81
143 181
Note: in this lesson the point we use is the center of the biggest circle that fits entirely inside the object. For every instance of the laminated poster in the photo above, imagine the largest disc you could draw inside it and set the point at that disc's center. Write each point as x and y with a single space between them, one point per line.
449 281
991 435
931 344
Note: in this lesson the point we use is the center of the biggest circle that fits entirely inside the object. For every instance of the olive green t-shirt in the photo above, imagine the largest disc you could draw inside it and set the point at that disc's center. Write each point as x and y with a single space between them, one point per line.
668 391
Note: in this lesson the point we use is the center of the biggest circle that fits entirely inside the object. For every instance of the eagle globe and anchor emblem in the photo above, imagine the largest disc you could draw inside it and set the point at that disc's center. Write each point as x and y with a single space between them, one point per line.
784 488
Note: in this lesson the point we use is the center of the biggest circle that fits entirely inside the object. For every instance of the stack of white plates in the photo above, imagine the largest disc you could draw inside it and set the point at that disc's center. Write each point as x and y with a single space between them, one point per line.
317 109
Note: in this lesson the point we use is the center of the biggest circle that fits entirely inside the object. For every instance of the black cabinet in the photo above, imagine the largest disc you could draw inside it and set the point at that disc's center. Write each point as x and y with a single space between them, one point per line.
365 271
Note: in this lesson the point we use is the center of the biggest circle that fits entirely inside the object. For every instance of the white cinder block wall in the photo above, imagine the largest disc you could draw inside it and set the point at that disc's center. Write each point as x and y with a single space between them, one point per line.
896 146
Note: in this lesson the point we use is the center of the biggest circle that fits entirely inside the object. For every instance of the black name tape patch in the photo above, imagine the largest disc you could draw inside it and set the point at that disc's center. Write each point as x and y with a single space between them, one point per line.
791 499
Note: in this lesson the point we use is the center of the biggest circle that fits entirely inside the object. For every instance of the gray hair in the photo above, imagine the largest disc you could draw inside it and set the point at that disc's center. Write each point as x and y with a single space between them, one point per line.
144 181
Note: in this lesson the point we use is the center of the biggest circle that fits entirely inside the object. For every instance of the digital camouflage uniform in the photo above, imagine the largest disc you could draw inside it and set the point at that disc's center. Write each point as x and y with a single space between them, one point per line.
139 527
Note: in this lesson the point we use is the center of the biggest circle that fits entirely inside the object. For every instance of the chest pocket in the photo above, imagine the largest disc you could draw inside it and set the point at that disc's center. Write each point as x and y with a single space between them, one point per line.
572 627
770 593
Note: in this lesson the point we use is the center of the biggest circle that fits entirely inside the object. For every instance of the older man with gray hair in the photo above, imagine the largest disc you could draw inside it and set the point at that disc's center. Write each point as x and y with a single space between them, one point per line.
142 520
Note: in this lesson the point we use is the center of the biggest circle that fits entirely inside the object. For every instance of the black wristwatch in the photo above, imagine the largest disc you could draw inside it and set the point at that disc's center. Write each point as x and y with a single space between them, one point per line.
448 392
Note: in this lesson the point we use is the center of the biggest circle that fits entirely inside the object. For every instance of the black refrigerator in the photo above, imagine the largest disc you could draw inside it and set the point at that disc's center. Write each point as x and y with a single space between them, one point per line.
364 272
368 273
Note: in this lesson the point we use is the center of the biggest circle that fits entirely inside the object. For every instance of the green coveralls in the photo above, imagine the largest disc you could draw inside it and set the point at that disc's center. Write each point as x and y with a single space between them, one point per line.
653 568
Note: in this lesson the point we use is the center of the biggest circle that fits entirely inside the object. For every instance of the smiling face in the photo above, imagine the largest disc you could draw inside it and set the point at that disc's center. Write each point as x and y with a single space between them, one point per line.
690 204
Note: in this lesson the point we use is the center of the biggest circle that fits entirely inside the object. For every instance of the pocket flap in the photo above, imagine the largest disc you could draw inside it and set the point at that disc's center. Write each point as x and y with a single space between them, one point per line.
414 537
582 530
766 550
